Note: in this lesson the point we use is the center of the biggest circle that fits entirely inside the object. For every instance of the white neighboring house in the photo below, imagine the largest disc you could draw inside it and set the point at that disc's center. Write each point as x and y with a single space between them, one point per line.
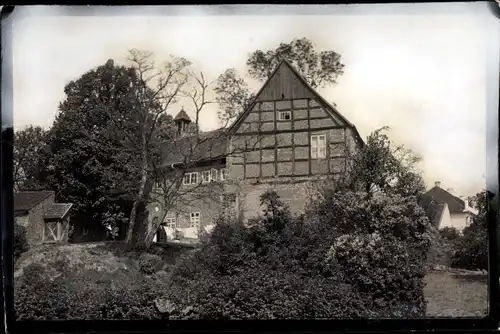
452 211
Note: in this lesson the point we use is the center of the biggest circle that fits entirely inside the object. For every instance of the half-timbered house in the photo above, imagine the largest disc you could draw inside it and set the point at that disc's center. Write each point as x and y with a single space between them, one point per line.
287 139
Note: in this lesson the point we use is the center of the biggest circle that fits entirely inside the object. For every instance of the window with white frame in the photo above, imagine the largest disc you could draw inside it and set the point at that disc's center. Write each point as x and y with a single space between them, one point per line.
285 115
318 146
206 176
213 175
223 174
171 222
191 178
194 220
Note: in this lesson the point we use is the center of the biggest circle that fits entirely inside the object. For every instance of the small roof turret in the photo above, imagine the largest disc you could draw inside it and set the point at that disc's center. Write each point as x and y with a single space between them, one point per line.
182 115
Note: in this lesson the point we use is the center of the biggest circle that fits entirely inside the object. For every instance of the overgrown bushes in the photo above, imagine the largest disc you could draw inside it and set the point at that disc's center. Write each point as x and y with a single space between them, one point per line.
149 263
350 256
449 233
64 294
20 241
471 249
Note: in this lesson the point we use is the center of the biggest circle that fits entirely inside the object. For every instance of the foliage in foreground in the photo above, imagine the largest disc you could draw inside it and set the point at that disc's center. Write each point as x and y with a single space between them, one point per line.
68 294
449 233
20 241
471 248
350 256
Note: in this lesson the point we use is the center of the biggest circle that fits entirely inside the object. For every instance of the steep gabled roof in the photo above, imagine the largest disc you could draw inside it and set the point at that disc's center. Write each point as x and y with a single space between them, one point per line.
441 196
328 107
433 210
26 200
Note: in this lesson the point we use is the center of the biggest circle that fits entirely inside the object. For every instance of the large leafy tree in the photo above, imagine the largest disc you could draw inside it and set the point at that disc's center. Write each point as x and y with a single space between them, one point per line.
87 162
28 145
319 68
381 166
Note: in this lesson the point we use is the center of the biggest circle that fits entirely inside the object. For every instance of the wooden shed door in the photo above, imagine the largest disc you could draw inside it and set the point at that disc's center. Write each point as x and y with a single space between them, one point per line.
52 231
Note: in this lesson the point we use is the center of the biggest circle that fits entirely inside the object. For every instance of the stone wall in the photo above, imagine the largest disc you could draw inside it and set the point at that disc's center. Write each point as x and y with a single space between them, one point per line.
295 193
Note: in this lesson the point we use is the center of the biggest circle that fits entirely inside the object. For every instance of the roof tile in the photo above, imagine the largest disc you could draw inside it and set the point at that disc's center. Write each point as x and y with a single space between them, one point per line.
27 200
441 196
212 145
57 211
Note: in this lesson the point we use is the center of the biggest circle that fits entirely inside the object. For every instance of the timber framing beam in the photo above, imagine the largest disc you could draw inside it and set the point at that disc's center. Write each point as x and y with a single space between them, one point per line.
308 130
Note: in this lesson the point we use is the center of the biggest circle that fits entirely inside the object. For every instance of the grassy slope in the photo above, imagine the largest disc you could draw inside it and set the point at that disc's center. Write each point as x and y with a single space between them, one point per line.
90 256
450 295
447 294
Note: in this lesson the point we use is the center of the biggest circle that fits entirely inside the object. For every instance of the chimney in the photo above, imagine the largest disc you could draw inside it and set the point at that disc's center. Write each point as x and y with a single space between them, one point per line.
450 190
437 184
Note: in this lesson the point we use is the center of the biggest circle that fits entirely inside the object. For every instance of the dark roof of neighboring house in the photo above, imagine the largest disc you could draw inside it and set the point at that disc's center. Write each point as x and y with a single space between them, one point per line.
182 115
433 210
212 145
57 211
27 200
441 196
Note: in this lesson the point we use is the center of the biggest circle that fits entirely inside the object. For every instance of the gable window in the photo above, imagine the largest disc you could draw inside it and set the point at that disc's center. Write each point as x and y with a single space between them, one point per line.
194 220
171 222
318 146
206 176
191 178
285 115
223 174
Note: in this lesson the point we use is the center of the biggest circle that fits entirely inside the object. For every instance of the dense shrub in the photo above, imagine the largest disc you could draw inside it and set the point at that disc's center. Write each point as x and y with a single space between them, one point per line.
441 252
350 256
20 241
44 294
149 263
258 292
381 245
449 233
471 248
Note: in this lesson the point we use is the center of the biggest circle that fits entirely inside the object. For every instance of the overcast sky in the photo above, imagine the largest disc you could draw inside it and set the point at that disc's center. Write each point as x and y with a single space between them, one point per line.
420 69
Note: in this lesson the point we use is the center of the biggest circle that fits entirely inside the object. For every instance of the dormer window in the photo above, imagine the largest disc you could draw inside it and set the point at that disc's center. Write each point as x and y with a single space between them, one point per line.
285 115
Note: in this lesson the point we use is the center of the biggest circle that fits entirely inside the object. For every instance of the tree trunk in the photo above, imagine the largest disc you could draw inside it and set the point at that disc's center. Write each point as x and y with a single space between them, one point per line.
140 195
152 229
